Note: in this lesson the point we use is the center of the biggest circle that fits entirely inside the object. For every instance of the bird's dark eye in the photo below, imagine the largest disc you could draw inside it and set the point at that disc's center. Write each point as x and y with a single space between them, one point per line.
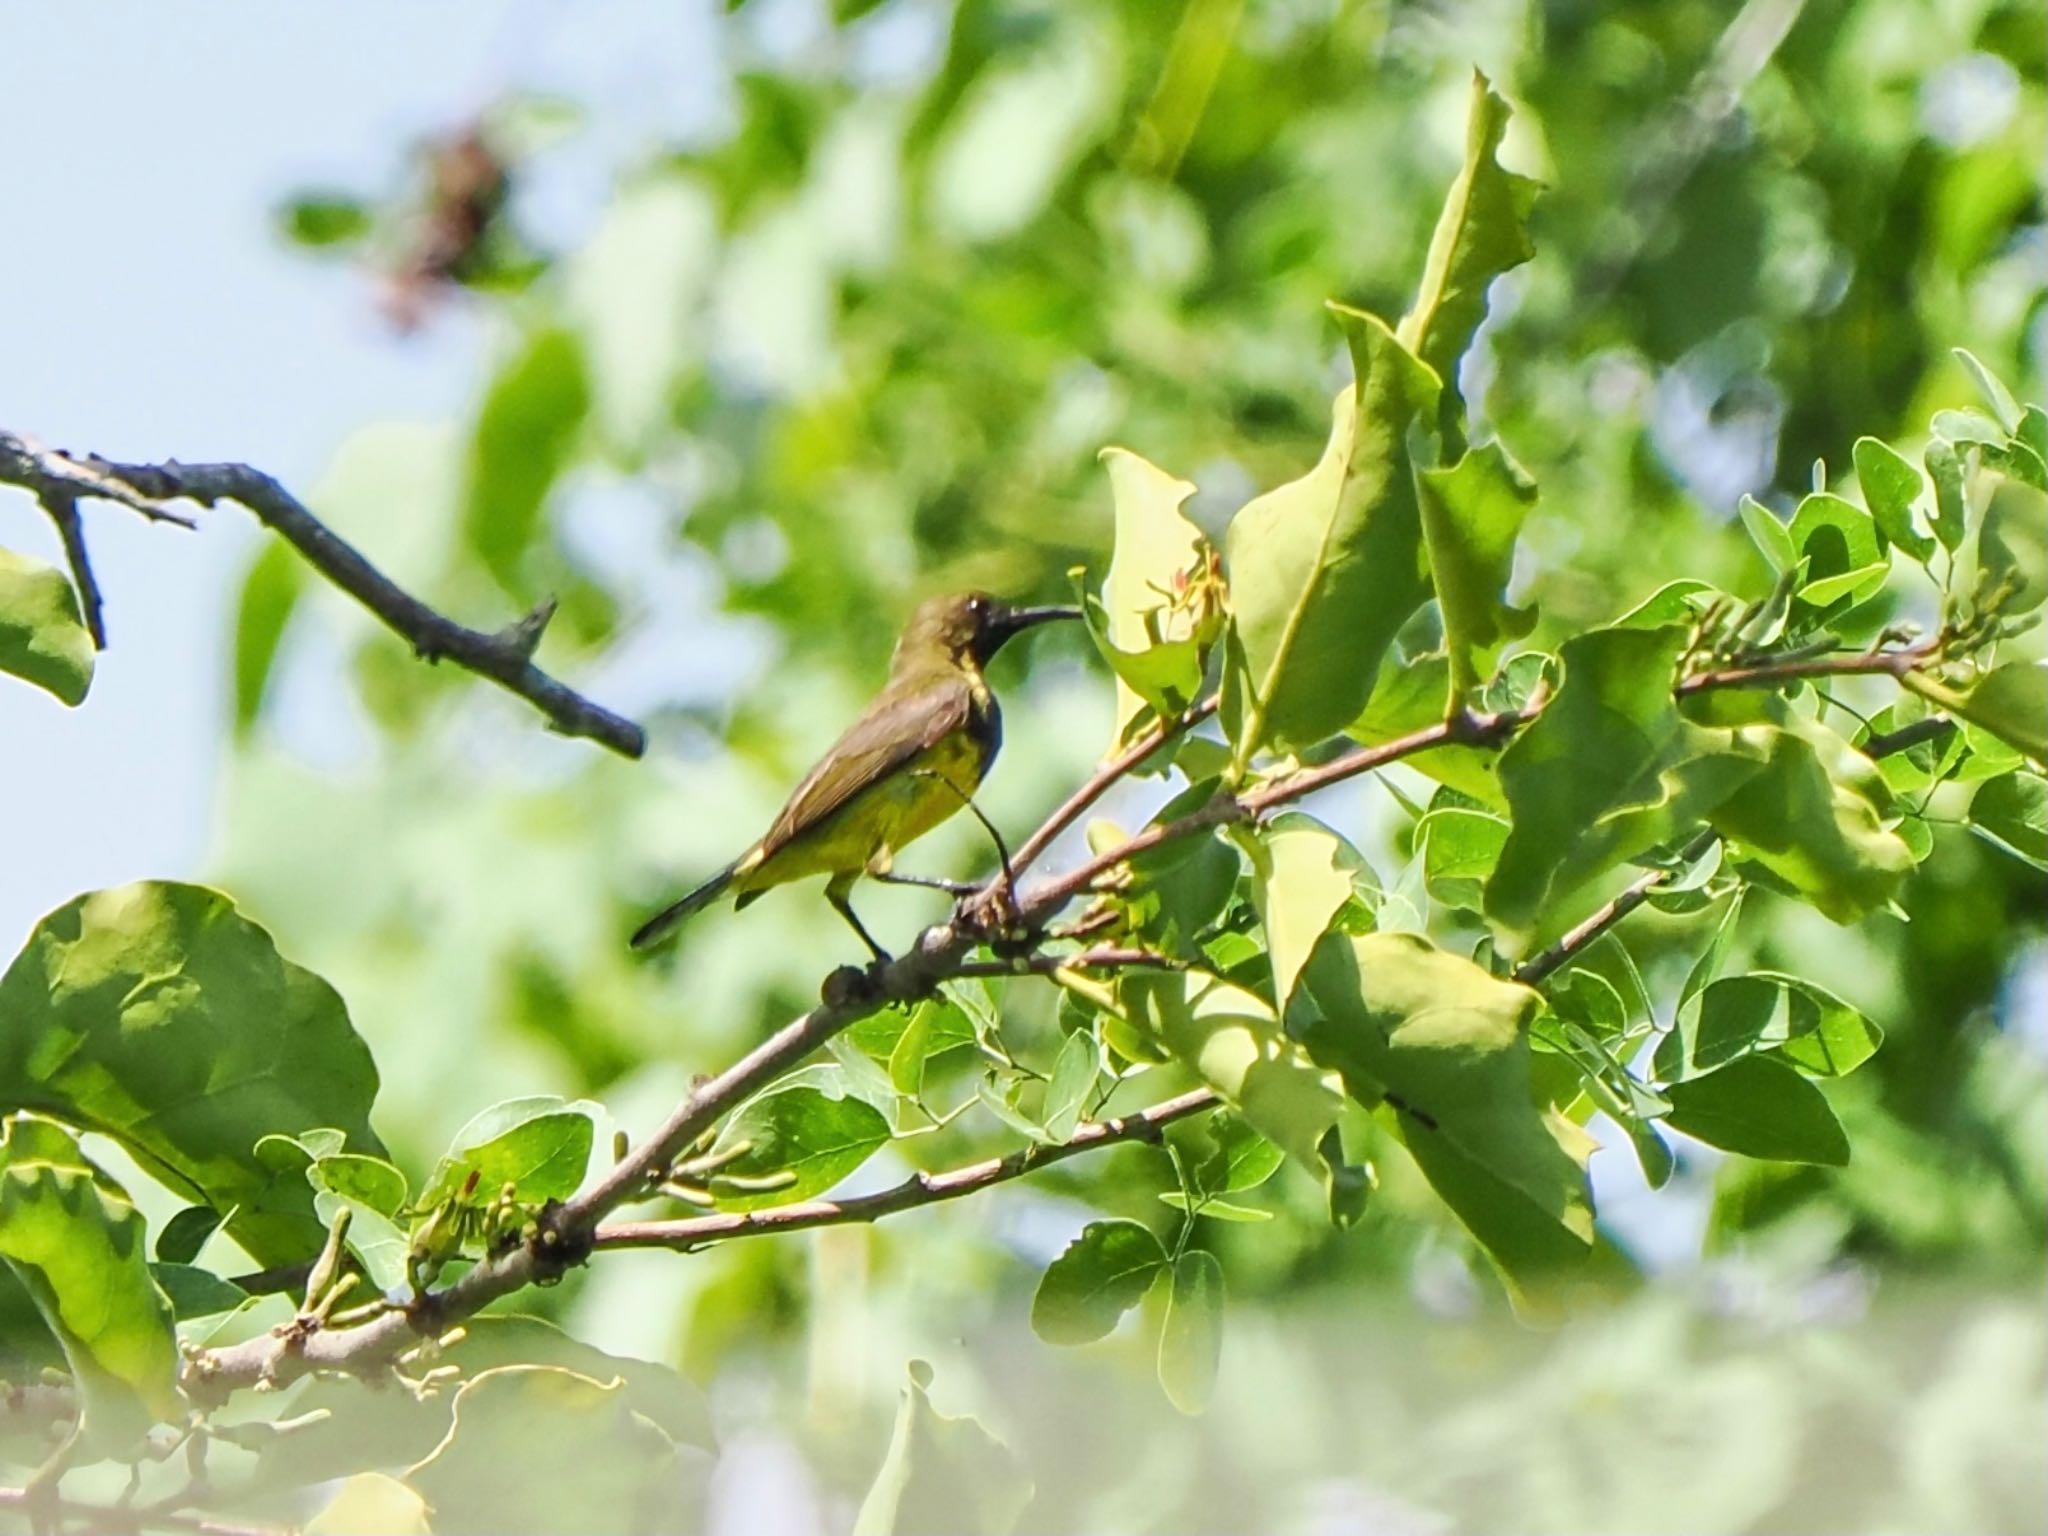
978 606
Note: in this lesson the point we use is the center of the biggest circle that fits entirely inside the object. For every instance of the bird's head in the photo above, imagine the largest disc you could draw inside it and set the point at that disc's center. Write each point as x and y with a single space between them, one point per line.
968 626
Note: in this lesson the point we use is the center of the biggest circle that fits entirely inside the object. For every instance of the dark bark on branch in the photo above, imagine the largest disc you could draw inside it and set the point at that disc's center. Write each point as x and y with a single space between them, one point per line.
58 480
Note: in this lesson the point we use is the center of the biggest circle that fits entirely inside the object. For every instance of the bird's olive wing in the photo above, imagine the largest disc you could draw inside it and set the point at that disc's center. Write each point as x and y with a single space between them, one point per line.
895 729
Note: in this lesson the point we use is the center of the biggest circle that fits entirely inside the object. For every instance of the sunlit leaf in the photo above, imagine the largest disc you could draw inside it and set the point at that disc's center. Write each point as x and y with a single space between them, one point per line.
1891 485
529 1445
1447 1046
43 638
1102 1274
1481 233
73 1240
1472 513
2011 702
1191 1335
1302 877
941 1476
159 1015
798 1139
538 1146
1231 1037
1609 770
1326 569
2012 812
1760 1108
1158 556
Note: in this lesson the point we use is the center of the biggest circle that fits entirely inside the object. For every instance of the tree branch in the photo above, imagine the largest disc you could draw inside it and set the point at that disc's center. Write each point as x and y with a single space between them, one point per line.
110 1518
920 1189
568 1233
1098 784
506 658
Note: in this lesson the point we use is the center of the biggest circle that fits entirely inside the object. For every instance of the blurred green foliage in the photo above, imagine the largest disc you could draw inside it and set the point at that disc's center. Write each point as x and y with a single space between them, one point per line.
866 340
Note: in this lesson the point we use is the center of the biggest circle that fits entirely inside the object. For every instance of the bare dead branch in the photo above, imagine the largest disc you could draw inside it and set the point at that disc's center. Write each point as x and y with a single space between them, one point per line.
58 480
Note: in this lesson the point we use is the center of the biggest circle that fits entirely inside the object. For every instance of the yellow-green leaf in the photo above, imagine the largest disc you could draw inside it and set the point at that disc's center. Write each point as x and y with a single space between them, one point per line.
43 639
1325 569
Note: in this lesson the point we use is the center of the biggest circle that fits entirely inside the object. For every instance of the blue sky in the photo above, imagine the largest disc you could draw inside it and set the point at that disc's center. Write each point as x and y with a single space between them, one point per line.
152 312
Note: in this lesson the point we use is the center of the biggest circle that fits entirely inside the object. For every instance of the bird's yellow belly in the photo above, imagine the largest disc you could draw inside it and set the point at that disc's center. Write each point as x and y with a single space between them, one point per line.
889 815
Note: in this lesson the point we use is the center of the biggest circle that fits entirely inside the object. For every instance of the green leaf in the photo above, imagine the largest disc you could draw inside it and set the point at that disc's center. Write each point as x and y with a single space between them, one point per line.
1073 1081
1219 1210
797 1131
1995 394
1839 543
368 1181
526 432
1447 1046
1760 1108
941 1476
1969 429
1472 513
1890 487
1768 534
531 1446
1191 1337
1158 558
43 640
1181 887
194 1292
1102 1274
270 593
1326 569
539 1146
1301 879
1231 1037
1481 233
1608 771
1459 848
1858 583
160 1016
2012 548
1802 1023
1951 503
186 1233
323 219
70 1236
1410 696
1235 1157
372 1504
2012 813
1809 818
2011 702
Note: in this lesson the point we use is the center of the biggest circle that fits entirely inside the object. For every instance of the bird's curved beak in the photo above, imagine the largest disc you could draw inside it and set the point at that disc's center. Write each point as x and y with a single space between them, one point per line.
1007 621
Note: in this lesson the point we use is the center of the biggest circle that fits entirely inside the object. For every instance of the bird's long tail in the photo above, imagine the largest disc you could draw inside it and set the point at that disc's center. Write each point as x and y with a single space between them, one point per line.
670 918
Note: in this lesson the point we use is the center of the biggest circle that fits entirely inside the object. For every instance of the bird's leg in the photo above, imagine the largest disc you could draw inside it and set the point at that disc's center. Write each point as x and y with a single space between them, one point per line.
837 891
1009 880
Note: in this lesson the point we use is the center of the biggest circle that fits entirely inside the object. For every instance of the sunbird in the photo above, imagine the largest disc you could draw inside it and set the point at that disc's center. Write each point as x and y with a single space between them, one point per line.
913 758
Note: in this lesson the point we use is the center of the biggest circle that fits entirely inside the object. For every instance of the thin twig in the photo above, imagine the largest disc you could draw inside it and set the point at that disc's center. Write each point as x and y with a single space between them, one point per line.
1109 773
918 1190
506 657
1103 958
566 1234
1537 967
1767 674
63 509
1927 728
